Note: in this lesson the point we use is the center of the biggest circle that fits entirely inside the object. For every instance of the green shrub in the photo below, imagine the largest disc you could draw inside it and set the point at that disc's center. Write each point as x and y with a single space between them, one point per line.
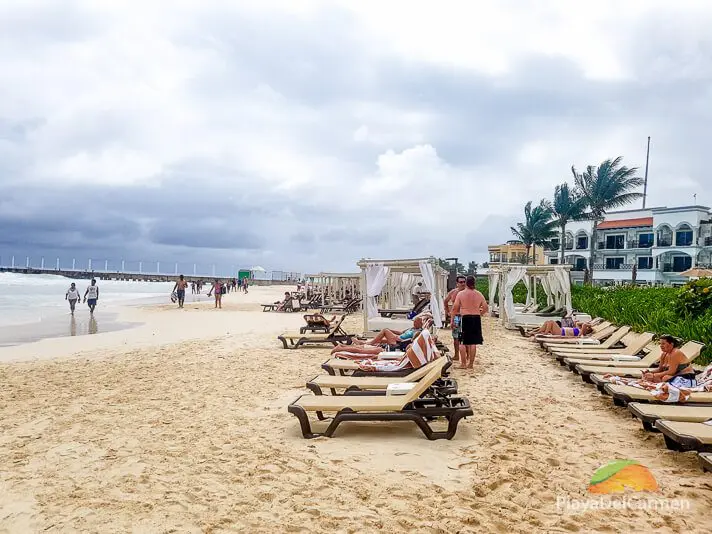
695 298
651 309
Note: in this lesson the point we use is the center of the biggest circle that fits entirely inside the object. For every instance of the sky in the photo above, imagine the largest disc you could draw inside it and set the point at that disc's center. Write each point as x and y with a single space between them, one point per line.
304 135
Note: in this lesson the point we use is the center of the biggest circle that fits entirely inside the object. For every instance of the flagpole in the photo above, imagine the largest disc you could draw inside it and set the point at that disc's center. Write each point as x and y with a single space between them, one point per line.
645 184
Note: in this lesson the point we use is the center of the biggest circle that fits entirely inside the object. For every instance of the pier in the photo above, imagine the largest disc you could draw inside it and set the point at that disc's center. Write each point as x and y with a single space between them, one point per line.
140 271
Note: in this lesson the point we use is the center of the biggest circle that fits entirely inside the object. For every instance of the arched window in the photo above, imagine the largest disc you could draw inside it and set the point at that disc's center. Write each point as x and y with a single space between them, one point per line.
683 236
664 236
581 241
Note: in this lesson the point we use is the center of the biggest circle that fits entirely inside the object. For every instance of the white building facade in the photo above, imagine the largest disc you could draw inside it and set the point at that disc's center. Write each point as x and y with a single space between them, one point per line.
651 245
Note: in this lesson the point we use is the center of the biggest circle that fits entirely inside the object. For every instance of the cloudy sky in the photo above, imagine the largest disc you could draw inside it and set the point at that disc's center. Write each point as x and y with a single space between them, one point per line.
303 135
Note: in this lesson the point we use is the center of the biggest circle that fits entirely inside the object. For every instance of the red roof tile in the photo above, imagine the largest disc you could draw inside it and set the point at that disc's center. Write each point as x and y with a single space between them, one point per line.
626 223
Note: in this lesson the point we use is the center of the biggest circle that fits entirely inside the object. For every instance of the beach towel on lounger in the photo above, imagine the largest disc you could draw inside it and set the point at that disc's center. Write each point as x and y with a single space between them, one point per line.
420 352
678 390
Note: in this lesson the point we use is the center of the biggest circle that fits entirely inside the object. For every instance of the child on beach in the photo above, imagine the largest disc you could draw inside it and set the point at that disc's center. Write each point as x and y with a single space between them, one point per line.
72 296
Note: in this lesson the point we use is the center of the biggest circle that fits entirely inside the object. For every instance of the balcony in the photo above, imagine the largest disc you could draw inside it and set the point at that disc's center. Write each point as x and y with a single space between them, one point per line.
664 241
638 244
615 246
581 246
707 242
621 267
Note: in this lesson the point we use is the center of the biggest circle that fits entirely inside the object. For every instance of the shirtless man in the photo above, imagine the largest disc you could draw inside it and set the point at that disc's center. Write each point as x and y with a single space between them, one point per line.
180 288
448 303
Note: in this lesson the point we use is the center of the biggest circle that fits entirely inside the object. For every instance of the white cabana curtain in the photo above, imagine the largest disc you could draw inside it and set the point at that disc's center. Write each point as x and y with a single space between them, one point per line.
547 289
376 277
493 281
565 287
514 275
426 270
555 289
529 289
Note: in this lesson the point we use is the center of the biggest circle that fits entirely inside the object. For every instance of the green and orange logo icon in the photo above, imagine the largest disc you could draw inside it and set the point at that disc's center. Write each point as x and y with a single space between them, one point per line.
621 475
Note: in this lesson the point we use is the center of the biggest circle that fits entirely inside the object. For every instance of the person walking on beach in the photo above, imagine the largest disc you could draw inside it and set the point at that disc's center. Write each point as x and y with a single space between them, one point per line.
180 288
91 295
454 321
470 304
244 285
72 296
217 289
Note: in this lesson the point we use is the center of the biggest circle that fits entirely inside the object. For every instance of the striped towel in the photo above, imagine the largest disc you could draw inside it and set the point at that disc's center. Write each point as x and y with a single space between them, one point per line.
418 353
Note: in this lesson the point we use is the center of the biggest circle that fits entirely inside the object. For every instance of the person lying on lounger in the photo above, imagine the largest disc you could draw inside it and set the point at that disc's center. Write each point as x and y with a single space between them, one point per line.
674 366
554 328
384 337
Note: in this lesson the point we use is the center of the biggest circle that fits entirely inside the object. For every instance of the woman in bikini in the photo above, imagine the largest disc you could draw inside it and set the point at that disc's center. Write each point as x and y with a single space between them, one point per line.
554 328
674 367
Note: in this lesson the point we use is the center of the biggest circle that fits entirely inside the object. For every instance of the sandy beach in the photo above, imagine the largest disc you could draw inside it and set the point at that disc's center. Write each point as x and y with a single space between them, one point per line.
181 425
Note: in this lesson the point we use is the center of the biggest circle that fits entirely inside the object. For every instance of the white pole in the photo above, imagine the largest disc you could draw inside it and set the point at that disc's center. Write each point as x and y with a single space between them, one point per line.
176 268
140 266
123 266
42 263
13 262
158 267
106 265
58 264
194 269
89 265
27 265
74 264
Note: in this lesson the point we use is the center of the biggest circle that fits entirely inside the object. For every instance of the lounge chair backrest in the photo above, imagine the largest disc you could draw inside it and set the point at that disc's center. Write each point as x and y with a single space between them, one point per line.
653 355
296 304
600 326
616 336
421 371
629 338
692 349
427 381
337 324
602 334
639 342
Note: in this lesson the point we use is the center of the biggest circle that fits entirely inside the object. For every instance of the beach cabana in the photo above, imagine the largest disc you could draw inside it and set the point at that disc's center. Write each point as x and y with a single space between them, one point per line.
554 279
333 284
383 280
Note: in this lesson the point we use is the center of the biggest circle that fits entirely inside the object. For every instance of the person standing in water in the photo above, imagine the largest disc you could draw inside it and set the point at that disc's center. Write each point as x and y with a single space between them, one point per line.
91 295
72 296
180 288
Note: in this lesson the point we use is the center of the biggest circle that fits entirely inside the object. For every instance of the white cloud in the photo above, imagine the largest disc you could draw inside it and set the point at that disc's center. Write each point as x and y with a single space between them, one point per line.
468 109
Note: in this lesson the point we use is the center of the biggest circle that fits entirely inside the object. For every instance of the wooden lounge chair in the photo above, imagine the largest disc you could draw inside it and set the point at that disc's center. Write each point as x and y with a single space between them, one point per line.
337 366
373 384
596 338
414 406
650 413
288 306
624 395
685 436
634 344
593 374
348 306
316 322
705 459
335 336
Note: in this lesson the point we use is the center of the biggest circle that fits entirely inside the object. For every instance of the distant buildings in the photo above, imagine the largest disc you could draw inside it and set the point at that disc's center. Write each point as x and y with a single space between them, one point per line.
514 252
659 242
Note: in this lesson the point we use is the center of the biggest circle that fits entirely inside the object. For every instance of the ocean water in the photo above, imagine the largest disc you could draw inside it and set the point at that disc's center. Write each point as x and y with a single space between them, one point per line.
35 298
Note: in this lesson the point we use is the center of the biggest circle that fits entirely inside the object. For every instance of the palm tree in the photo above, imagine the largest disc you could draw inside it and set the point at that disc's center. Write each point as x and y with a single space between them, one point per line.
605 187
537 227
569 205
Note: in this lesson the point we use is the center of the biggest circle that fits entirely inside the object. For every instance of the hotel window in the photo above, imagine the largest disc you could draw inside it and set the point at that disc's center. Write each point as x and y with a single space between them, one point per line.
614 263
683 237
582 243
681 263
615 241
645 262
645 240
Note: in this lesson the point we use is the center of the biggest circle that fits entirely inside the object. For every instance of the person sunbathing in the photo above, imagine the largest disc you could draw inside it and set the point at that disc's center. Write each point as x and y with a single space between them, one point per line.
384 337
282 304
554 328
674 367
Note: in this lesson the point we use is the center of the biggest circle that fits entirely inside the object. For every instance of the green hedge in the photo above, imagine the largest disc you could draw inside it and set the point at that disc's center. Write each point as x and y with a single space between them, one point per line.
645 309
650 309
